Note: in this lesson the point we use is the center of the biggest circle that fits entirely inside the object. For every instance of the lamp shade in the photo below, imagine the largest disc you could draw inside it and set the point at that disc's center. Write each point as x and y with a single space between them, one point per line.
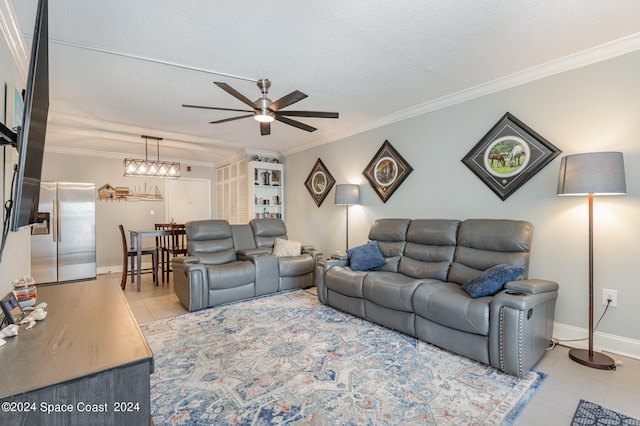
597 173
347 194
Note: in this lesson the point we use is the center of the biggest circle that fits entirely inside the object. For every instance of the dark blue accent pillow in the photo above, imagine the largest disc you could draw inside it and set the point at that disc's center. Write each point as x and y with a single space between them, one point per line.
365 257
492 280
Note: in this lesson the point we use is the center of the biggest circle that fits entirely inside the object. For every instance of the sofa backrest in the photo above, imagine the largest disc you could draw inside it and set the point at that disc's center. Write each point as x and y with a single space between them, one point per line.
243 237
391 235
483 243
265 231
211 241
429 249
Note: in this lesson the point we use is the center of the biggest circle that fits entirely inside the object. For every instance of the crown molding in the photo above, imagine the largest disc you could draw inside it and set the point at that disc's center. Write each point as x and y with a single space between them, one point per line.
10 28
115 155
586 57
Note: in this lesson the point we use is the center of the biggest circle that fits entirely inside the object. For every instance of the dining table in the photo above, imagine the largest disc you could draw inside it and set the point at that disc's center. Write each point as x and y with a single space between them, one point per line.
136 238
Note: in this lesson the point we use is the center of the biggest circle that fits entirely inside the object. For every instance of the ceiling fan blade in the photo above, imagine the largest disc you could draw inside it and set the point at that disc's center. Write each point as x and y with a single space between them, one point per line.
295 123
233 92
287 100
230 119
215 108
265 129
319 114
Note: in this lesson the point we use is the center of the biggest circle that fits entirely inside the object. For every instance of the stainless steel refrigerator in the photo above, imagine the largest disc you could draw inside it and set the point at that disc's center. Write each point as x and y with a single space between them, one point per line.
63 242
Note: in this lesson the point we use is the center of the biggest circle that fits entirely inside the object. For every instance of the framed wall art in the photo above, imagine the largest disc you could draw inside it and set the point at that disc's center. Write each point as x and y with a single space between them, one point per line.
509 155
319 182
386 171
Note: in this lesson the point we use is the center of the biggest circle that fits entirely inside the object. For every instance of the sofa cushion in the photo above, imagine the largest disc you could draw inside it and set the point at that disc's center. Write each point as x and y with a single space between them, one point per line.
390 235
365 257
230 275
492 280
266 230
483 243
295 265
286 248
390 290
345 281
390 265
447 304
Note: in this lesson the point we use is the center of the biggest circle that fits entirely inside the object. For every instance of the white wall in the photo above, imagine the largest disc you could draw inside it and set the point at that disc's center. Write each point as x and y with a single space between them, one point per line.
593 108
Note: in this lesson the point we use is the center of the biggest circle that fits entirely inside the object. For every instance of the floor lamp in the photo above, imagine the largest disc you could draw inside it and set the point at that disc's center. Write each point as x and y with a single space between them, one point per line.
346 195
597 173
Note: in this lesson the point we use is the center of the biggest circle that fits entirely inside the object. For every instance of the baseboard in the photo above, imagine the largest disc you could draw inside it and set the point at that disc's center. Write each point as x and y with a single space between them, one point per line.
601 341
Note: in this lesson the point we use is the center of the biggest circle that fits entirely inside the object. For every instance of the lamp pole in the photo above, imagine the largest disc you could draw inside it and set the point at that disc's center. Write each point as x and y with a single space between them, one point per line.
588 357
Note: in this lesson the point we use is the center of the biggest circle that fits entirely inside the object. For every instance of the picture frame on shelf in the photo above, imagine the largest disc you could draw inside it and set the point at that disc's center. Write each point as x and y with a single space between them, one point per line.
275 178
386 171
509 155
319 182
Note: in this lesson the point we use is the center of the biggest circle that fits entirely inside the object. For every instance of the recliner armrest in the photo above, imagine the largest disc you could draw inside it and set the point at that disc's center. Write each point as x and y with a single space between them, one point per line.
310 250
521 324
322 266
246 254
186 259
191 282
532 286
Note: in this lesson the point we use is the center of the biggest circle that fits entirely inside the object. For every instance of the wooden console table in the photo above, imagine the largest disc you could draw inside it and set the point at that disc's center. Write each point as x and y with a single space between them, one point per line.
86 363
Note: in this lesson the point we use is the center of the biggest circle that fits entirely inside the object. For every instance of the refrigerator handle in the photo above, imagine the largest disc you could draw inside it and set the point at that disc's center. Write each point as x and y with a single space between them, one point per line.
53 223
58 222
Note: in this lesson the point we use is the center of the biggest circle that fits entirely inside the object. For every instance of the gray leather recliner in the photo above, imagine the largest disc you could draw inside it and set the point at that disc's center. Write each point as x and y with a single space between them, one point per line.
294 271
211 274
226 263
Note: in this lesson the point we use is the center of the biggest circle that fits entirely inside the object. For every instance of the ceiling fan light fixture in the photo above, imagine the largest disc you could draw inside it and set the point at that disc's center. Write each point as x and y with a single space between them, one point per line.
264 116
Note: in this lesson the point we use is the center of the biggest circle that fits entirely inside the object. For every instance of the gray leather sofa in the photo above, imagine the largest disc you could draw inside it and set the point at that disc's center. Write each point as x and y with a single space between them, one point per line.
226 263
419 291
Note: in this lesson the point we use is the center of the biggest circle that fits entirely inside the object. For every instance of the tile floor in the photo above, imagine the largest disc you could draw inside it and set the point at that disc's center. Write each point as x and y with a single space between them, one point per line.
554 404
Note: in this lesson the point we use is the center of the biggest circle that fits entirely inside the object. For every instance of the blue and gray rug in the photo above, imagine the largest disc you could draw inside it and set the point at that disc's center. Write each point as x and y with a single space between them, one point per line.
592 414
288 359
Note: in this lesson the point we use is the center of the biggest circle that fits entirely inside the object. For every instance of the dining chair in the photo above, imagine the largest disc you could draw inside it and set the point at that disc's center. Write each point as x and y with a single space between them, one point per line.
171 245
162 244
129 255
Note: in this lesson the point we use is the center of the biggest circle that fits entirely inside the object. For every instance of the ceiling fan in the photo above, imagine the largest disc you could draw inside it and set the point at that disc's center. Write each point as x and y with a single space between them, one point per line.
265 111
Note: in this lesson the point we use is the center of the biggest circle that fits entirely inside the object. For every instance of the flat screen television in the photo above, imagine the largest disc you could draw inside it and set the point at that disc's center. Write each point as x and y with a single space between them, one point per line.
31 139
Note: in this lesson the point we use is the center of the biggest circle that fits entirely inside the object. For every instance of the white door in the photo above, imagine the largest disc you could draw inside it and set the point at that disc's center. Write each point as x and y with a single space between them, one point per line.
188 199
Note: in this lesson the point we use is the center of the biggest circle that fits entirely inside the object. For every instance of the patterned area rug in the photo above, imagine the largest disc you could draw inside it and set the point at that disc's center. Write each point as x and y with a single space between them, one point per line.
288 359
592 414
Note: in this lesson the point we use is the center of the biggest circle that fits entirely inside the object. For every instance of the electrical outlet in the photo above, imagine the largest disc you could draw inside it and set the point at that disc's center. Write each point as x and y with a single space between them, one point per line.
610 294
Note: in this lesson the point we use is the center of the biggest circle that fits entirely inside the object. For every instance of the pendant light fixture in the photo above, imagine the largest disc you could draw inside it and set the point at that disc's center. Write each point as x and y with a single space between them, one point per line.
146 167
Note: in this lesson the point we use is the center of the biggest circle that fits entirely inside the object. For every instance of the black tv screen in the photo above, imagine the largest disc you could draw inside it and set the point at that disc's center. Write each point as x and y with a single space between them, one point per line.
31 138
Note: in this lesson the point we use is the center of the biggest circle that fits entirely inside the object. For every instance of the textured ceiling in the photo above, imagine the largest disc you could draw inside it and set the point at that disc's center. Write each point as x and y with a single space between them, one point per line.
120 69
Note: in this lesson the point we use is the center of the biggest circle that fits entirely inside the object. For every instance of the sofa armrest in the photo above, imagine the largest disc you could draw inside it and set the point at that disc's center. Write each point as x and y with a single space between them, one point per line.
191 282
246 254
531 286
186 259
340 256
322 266
310 250
267 271
521 324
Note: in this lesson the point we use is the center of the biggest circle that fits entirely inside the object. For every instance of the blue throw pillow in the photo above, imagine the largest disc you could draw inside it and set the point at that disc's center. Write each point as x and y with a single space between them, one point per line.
365 257
492 280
